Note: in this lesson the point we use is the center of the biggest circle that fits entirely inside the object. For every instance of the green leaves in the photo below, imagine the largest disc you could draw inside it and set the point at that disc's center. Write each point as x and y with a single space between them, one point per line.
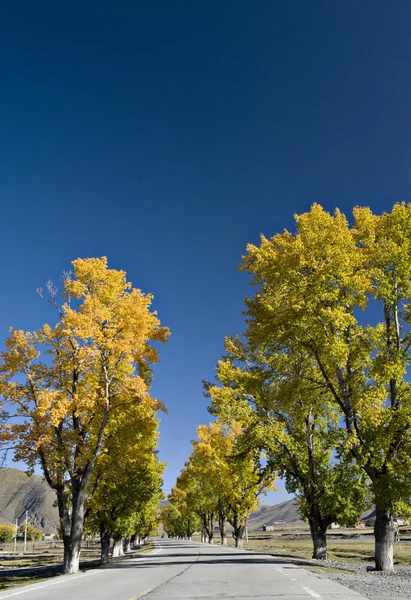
312 288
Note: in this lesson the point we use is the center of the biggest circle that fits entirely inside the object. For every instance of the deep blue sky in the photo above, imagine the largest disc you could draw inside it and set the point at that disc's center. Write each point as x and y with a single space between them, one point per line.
167 135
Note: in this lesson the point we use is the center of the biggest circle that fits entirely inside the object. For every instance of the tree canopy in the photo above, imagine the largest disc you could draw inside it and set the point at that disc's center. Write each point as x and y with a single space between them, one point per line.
62 385
340 293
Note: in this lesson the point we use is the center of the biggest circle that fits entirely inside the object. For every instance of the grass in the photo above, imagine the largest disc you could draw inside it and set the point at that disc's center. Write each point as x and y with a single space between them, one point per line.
46 559
342 546
11 581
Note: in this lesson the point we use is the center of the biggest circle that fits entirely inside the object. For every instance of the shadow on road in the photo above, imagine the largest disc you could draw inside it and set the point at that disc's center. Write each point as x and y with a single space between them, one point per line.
166 559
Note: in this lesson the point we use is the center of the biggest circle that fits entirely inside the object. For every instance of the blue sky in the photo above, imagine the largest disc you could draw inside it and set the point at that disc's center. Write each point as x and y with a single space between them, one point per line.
167 135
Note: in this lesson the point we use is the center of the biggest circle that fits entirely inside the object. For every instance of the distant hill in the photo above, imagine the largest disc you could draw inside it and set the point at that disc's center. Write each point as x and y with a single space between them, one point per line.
19 492
285 512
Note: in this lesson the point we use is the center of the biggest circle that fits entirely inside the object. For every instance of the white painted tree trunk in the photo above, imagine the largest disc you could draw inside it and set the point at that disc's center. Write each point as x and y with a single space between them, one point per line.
118 547
72 560
384 533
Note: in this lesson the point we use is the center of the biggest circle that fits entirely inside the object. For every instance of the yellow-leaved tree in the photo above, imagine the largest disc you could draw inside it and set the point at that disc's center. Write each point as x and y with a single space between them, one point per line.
125 491
62 385
218 480
284 414
340 294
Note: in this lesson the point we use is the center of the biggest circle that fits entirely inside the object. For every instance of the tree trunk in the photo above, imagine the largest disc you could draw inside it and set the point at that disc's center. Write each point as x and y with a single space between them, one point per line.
127 544
73 529
105 535
210 531
384 533
319 537
238 532
135 540
239 536
221 526
118 547
71 561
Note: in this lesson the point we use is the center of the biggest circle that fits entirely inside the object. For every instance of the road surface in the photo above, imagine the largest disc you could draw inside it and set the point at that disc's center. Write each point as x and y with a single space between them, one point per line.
189 570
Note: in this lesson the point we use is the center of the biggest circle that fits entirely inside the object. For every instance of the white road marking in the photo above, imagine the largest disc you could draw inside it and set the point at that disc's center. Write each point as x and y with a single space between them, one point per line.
39 587
282 572
70 578
311 592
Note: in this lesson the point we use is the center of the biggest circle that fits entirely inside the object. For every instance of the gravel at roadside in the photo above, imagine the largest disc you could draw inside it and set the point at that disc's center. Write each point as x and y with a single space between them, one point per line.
371 584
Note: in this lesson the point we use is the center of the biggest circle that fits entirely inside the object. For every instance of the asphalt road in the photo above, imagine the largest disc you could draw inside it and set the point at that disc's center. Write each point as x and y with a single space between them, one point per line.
178 569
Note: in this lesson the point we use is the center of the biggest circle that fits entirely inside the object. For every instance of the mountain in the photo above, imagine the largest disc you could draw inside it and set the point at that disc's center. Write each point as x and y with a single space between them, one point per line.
284 513
20 492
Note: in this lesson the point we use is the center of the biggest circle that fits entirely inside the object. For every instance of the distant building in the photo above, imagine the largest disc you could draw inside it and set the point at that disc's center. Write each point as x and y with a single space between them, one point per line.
268 527
335 526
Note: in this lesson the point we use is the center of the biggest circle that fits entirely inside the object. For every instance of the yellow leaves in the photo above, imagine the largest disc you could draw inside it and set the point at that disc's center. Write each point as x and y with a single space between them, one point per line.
217 473
86 376
311 287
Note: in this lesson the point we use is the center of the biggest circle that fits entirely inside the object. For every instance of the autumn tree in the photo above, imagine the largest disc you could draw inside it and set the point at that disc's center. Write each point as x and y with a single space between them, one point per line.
221 481
295 424
199 498
30 531
7 533
127 476
179 516
62 385
341 293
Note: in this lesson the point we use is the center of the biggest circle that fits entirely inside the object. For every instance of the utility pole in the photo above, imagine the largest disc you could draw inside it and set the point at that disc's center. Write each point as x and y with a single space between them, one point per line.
15 537
25 535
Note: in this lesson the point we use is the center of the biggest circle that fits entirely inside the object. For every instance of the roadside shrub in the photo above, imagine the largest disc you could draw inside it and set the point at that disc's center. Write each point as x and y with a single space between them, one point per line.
32 533
7 533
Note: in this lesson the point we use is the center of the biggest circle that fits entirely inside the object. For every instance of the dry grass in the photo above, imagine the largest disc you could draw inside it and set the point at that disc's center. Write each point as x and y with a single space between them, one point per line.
346 545
11 581
47 559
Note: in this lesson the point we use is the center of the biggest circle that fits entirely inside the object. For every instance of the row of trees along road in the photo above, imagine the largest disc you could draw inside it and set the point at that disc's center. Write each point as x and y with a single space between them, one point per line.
76 401
217 484
319 380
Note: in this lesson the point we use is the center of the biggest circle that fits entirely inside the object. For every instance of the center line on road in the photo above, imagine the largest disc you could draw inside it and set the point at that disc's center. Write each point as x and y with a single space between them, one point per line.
147 591
311 592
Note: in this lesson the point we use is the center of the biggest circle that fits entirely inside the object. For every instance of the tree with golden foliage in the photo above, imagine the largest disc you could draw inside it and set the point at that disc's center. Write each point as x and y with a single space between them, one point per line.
341 294
62 385
219 481
125 491
295 424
